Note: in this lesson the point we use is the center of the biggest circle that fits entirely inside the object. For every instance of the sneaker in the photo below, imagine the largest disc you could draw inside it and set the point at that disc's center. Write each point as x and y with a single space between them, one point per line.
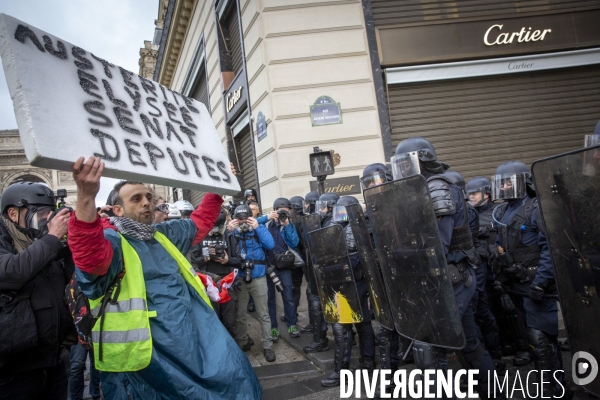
293 331
275 335
246 347
269 355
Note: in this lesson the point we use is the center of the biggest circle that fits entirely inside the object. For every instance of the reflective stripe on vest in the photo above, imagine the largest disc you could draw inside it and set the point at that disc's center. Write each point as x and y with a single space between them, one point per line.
126 336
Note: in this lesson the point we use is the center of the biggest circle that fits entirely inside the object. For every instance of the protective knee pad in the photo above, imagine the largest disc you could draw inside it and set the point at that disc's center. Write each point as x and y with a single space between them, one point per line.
425 356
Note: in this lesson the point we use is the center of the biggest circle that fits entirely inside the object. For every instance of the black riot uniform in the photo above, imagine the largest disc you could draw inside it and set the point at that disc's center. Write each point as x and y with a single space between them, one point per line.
220 242
334 212
489 306
526 267
417 155
483 314
315 313
297 203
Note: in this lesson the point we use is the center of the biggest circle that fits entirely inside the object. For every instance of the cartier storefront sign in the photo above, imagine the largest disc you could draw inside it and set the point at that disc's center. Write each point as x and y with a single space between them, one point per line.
426 43
236 97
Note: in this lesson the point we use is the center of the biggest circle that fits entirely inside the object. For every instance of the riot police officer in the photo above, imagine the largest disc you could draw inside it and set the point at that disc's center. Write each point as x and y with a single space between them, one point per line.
323 206
417 156
483 315
527 271
297 273
390 342
334 212
309 202
479 190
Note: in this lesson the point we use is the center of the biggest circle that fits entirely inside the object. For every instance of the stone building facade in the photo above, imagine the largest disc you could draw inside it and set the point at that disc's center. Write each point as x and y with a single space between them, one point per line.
14 167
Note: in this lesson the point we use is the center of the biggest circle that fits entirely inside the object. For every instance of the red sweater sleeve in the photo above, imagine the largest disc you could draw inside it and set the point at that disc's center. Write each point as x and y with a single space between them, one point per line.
205 215
92 253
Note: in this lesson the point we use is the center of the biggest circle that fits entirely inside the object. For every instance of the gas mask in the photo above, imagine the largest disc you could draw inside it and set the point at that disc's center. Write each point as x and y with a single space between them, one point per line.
245 227
217 230
36 220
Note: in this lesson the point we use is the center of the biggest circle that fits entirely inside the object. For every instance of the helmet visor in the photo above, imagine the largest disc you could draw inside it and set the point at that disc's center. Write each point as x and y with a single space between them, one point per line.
405 165
591 140
340 214
509 186
307 207
321 207
375 179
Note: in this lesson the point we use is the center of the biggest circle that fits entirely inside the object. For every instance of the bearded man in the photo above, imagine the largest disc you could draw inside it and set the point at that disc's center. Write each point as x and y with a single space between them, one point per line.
157 335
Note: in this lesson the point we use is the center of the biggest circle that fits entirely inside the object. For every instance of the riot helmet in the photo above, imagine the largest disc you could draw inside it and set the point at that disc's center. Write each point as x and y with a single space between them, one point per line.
325 203
250 193
512 181
375 175
297 203
282 202
477 188
185 208
309 202
416 156
339 213
456 178
39 200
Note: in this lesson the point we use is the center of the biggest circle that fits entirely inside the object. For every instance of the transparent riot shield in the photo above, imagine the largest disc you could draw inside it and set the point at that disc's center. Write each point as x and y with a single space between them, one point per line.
368 259
309 223
337 288
413 262
568 190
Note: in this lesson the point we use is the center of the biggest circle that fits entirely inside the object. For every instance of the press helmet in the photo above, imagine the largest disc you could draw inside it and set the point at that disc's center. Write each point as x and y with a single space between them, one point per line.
39 200
174 212
281 202
185 208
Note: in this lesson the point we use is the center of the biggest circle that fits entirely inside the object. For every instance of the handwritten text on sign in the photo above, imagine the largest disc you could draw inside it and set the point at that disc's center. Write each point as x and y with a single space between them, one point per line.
70 102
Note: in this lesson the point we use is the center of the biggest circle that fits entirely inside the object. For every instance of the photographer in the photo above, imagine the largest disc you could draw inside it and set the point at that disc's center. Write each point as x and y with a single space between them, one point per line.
252 238
35 267
282 258
217 256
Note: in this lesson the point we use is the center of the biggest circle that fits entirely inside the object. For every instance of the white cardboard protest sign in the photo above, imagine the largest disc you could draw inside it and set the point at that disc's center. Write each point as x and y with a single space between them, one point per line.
70 103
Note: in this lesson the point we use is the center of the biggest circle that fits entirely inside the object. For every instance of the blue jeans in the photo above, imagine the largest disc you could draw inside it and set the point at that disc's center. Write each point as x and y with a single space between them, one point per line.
76 381
289 307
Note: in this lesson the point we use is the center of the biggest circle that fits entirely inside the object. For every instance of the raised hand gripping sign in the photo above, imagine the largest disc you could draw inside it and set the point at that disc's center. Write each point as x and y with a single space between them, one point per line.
69 102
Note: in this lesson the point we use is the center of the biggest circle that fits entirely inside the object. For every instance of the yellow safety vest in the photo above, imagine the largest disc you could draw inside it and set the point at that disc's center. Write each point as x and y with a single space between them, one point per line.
121 337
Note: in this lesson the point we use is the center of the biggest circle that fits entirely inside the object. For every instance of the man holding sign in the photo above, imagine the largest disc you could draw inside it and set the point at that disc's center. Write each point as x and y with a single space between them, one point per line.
157 335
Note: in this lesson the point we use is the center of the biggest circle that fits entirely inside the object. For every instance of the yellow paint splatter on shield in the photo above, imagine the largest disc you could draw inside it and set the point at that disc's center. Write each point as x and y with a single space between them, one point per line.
338 309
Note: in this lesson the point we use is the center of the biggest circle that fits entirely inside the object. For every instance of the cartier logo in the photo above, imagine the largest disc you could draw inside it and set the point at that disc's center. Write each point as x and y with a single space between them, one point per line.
524 35
233 98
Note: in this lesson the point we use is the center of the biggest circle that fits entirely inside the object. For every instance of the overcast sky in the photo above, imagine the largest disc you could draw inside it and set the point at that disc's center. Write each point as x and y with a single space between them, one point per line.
114 30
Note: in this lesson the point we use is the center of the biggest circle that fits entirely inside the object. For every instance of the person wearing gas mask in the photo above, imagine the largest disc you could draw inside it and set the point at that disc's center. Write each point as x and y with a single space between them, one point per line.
342 332
417 155
281 260
250 195
35 267
483 315
253 239
324 207
527 274
217 256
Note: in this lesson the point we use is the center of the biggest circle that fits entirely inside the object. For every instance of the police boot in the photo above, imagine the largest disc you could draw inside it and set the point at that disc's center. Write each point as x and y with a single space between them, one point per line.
340 335
498 362
308 328
544 358
317 346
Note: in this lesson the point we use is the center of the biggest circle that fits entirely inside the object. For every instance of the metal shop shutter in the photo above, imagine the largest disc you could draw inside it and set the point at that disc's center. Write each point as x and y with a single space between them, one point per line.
243 144
196 197
391 12
200 90
477 123
235 42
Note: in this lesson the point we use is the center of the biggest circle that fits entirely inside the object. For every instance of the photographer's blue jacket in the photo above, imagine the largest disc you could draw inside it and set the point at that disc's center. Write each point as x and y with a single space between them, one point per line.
254 244
288 232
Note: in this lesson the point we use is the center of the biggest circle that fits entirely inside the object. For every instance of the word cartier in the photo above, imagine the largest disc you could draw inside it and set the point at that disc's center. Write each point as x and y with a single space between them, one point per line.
177 108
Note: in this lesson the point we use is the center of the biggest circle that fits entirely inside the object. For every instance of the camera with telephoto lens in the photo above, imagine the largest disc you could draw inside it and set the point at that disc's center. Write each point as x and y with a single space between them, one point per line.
283 214
247 267
278 285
